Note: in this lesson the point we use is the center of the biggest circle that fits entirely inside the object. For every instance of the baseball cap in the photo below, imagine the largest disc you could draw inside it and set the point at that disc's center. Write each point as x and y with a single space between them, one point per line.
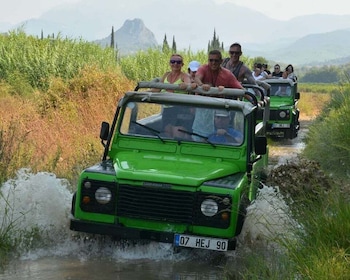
194 65
222 113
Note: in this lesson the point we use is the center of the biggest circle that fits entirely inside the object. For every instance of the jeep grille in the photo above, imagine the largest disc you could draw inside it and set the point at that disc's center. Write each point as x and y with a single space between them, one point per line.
156 203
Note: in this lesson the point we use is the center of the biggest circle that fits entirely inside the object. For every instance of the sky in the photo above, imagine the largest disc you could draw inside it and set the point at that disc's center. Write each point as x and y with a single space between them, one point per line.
16 11
287 9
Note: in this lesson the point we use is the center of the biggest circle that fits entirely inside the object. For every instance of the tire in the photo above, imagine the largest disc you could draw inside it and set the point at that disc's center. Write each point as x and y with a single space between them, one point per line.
241 214
73 204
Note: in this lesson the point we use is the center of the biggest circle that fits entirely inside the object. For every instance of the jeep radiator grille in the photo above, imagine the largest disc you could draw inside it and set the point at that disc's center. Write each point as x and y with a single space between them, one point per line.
156 203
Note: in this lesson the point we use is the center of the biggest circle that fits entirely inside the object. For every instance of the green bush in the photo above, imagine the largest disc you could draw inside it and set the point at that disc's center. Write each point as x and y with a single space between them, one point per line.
327 140
321 249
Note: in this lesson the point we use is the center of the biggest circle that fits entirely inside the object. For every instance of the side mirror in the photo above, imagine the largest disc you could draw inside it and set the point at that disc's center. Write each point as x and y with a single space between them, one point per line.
297 95
260 145
104 131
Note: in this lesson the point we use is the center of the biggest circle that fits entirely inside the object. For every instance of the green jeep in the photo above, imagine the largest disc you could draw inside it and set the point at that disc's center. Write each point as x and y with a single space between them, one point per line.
284 113
167 175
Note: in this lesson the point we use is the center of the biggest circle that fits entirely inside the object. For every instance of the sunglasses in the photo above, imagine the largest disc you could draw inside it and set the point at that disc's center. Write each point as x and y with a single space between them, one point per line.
276 68
233 52
176 62
214 60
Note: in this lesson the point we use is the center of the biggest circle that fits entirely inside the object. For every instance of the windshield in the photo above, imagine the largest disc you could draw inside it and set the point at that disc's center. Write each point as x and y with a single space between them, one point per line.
280 90
183 123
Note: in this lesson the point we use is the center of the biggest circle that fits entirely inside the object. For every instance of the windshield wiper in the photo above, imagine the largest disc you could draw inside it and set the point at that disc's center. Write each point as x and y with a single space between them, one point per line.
196 134
154 131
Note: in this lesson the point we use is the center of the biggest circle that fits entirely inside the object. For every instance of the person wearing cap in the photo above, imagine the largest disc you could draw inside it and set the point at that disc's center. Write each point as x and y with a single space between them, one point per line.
192 69
223 132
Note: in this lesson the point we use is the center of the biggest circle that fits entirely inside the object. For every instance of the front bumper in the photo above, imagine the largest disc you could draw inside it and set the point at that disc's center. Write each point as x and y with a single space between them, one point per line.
121 232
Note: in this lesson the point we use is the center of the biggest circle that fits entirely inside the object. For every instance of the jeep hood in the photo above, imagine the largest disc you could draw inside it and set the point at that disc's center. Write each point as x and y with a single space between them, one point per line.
172 169
280 102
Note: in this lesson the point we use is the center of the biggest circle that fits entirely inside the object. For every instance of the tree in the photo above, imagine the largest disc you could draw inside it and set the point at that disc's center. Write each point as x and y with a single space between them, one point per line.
173 48
325 74
112 38
165 47
260 59
215 44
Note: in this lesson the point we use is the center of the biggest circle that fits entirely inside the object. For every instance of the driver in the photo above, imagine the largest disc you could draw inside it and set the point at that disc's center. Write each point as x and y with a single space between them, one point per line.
223 132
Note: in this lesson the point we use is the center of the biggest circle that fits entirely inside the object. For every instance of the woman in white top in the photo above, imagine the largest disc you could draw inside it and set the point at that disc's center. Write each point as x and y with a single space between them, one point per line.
257 73
290 72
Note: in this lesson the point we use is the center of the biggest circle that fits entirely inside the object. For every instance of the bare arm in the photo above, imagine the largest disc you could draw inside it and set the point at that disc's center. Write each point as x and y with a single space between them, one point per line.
161 81
198 79
248 75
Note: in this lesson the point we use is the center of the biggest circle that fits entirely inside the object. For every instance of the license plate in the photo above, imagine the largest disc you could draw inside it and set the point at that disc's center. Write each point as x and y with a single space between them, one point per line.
281 125
199 242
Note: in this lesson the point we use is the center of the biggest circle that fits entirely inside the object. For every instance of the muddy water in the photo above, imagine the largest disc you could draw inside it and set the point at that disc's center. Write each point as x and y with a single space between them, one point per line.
42 201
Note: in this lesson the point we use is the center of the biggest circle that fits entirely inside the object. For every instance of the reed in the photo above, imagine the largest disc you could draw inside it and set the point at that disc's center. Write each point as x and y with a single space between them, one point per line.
34 61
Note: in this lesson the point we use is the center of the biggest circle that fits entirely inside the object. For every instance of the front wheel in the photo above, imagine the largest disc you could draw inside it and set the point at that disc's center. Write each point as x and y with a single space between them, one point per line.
72 210
241 214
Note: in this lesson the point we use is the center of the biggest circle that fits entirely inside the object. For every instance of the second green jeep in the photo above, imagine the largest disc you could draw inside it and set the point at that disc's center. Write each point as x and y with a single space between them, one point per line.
284 112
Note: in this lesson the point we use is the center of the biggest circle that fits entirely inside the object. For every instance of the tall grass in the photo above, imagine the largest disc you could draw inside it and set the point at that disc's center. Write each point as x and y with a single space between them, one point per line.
328 137
147 65
54 94
34 61
12 150
311 104
319 247
318 88
322 250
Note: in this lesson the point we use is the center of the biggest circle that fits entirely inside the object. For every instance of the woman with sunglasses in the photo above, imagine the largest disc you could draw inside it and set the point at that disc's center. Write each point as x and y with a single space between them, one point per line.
175 75
176 118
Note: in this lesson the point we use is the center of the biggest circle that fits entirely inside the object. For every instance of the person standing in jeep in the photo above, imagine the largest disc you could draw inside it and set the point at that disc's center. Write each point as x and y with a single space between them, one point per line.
236 66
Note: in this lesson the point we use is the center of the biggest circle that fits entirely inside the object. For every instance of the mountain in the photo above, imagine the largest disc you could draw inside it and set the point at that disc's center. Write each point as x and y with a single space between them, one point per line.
313 49
192 24
131 37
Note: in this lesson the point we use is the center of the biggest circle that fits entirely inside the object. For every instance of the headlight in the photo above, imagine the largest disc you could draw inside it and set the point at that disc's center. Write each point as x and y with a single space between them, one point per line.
209 207
103 195
283 114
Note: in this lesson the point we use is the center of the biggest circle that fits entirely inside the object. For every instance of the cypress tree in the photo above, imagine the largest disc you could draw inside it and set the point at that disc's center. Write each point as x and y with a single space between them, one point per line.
165 47
112 38
174 45
215 44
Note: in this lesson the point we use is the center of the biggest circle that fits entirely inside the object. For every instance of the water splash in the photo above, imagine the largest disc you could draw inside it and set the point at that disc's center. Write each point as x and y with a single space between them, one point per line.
39 207
268 219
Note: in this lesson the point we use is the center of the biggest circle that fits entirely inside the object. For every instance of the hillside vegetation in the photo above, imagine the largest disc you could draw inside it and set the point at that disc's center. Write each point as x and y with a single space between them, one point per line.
50 117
